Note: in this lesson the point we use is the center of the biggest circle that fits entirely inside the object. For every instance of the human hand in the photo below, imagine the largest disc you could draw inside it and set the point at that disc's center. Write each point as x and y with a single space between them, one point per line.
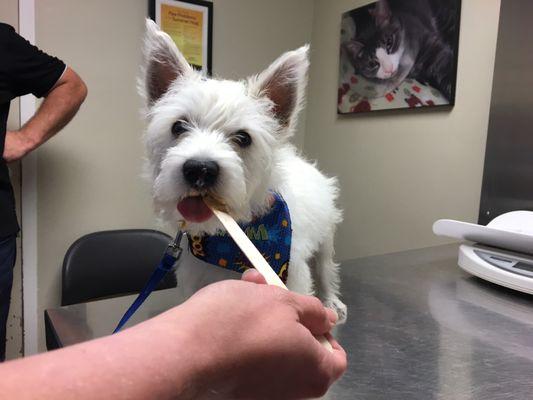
254 276
249 341
16 146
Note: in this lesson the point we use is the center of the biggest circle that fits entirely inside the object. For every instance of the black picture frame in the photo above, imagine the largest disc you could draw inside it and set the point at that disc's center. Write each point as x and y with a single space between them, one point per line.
360 92
201 3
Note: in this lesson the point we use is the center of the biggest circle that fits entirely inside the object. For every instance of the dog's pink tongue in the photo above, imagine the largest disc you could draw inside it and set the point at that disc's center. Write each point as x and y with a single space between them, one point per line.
194 209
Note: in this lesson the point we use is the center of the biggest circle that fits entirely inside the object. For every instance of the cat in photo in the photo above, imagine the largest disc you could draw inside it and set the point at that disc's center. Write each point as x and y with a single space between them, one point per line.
392 40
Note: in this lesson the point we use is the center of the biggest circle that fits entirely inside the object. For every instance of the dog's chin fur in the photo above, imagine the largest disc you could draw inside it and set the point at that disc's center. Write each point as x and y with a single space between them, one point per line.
213 111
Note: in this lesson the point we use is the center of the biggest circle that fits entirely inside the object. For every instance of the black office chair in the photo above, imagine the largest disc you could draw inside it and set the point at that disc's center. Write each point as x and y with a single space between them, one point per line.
112 263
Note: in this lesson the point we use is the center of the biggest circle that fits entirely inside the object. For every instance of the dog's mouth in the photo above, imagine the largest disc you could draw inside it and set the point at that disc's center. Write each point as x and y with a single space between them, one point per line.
197 208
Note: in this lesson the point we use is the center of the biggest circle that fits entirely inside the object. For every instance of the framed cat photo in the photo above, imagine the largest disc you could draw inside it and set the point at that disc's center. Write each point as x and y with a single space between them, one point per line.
398 54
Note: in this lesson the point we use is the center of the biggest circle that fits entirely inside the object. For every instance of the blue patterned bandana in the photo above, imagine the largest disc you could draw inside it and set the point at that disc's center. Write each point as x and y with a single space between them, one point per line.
271 234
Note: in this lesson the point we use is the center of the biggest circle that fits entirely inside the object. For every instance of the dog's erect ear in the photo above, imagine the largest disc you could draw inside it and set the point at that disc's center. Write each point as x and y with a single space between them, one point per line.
284 83
162 63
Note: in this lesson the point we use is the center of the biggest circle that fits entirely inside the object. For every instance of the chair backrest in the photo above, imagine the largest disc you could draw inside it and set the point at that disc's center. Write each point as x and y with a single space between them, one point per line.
112 263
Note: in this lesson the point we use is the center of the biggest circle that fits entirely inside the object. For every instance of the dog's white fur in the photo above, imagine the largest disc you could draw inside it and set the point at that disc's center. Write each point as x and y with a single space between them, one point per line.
266 106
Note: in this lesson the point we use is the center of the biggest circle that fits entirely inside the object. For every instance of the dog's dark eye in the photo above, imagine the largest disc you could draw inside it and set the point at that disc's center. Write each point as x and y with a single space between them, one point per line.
242 138
178 128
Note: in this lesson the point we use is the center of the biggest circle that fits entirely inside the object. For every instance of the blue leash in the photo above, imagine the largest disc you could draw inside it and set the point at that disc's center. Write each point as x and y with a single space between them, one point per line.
170 258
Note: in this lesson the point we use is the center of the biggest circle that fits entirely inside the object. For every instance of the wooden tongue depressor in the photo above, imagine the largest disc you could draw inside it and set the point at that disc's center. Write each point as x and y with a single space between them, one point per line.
255 257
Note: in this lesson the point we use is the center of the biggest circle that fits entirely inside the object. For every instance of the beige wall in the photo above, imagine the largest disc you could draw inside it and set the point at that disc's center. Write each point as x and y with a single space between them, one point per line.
401 171
14 342
250 34
89 175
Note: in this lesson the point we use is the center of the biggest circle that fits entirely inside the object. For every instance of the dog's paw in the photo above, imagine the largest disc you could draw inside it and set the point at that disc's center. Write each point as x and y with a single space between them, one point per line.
339 307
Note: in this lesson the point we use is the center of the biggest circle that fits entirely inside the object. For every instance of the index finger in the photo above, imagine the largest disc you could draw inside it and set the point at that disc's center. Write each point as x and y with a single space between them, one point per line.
313 315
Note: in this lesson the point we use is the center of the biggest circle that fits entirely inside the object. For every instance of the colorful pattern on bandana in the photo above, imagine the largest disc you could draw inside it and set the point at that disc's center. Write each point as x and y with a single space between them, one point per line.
271 234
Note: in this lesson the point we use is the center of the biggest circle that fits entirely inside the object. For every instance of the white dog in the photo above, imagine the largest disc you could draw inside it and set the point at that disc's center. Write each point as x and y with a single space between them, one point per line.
227 140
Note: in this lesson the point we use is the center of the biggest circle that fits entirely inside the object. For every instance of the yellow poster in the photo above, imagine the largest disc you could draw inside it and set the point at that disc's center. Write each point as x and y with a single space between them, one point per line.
185 27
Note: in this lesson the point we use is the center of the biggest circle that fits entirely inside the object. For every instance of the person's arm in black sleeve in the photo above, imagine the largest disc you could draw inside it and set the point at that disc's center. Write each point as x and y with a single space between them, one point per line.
32 71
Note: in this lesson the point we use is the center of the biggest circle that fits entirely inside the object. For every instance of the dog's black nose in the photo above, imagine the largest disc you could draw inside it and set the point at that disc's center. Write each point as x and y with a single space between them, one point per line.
200 174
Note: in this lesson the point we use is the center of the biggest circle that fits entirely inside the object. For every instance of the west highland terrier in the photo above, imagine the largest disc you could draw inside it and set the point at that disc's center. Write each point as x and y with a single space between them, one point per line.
228 141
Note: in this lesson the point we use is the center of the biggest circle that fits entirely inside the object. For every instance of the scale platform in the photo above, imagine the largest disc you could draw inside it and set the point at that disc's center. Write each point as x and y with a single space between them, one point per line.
503 250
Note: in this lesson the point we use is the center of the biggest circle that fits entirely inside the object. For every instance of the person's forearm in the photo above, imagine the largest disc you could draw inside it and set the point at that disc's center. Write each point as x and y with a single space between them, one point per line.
229 340
56 111
132 365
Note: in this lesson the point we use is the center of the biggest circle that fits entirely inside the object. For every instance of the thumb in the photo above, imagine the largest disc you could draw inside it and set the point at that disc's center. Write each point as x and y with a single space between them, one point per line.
253 276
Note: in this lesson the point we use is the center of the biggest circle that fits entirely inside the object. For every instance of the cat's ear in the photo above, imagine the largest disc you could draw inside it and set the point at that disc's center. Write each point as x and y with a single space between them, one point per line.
353 48
381 13
162 64
284 82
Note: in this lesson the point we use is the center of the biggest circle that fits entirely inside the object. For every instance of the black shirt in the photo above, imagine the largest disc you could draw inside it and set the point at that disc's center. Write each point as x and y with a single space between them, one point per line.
23 69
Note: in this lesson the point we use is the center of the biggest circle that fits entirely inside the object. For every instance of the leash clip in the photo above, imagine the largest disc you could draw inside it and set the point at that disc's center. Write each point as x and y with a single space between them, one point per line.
168 263
174 248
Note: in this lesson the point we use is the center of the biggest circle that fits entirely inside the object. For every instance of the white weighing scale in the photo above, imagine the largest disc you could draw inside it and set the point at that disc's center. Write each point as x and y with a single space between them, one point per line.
503 250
